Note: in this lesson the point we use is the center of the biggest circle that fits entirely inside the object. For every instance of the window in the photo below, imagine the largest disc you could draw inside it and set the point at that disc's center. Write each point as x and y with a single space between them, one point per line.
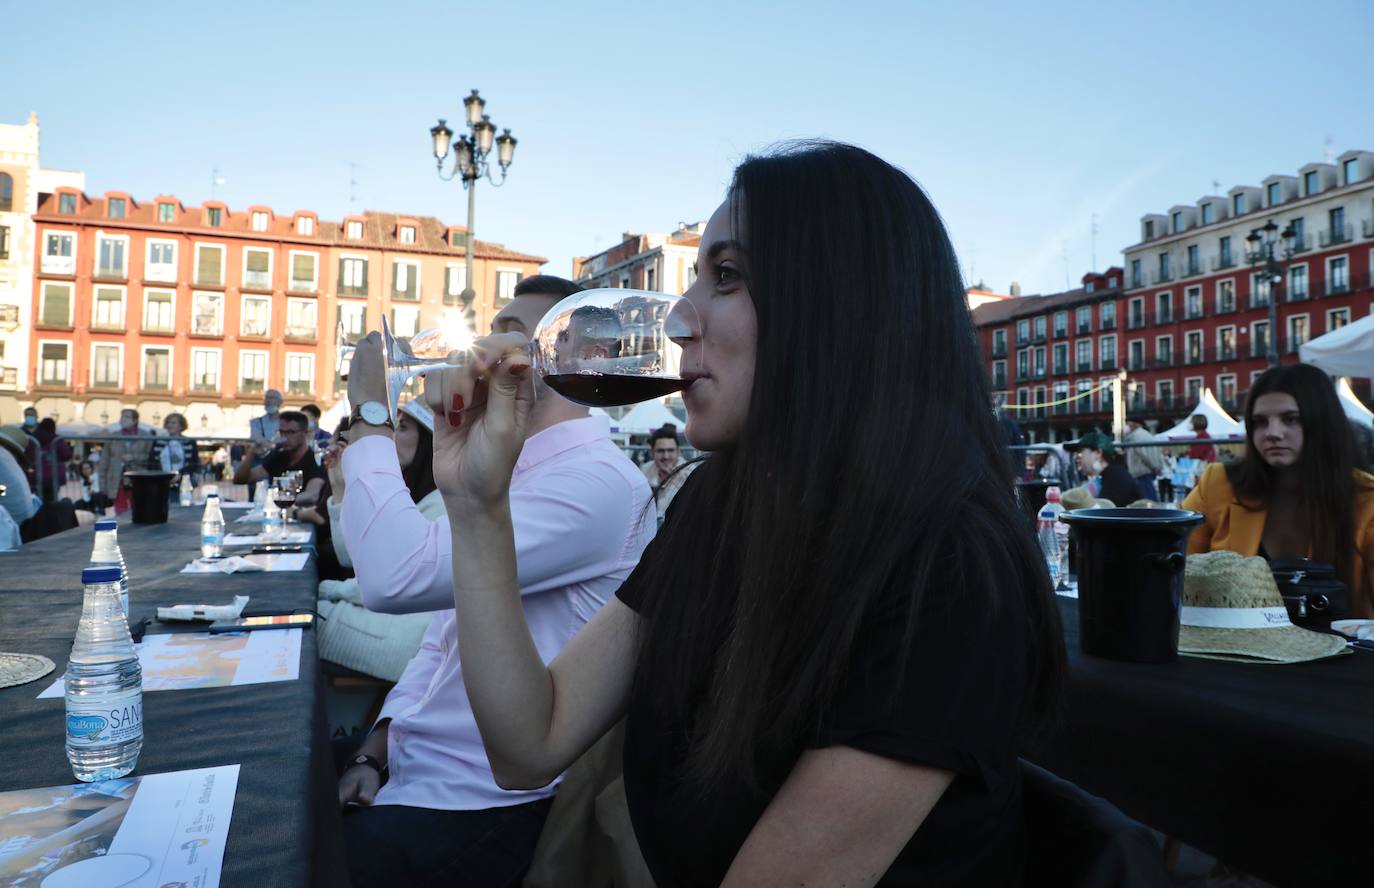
507 279
354 319
305 225
207 314
1178 222
1106 393
1337 222
56 307
107 361
999 374
1060 395
59 253
1259 339
303 269
1022 331
1192 303
1165 271
1136 279
1149 229
209 271
1208 214
54 363
1084 319
166 212
1226 343
353 230
1111 281
1061 323
1194 266
1337 274
1337 318
405 283
257 269
1260 289
6 192
1272 194
407 234
1061 357
1194 388
1164 394
459 239
455 281
252 371
1038 363
157 367
1023 364
1038 328
1136 313
1164 351
649 282
1224 252
4 242
1297 332
212 216
300 374
1226 296
1089 286
1193 347
66 204
259 223
1299 238
1226 389
158 311
1137 354
1040 400
1309 182
1164 308
1237 204
1107 312
302 319
107 311
161 264
352 276
1350 170
256 319
114 208
111 253
1084 348
1297 282
205 363
405 320
1084 400
1106 353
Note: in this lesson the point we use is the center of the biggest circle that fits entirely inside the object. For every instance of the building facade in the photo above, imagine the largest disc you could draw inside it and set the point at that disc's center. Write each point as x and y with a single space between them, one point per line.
162 306
22 180
664 263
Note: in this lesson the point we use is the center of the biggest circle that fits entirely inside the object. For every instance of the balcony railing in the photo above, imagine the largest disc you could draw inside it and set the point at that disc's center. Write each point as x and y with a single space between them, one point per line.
1164 317
1022 340
161 272
1038 338
299 286
257 280
253 328
1022 374
1342 234
1227 307
1367 227
999 381
1061 332
1107 363
1108 324
1193 312
301 333
1302 242
1137 281
1137 362
1084 328
999 350
1163 361
1223 262
1136 322
298 387
1193 269
59 265
1085 367
1038 372
1329 288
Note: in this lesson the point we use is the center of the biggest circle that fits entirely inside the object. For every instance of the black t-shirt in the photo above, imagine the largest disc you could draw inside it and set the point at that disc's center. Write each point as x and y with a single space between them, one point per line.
276 462
960 693
1118 485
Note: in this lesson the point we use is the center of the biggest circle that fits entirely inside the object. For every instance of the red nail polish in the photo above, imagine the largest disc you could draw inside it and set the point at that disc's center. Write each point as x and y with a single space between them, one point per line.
519 369
457 403
455 419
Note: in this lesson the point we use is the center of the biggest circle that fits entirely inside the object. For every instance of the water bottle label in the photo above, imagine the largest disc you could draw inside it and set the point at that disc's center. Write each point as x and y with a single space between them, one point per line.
98 725
211 539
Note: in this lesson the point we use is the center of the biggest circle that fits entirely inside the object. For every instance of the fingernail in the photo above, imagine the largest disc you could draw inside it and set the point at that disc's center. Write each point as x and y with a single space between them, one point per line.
457 403
455 419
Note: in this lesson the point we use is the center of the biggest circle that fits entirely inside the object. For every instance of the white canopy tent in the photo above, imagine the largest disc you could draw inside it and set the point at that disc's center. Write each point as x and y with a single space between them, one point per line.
1220 424
1354 410
646 417
1348 351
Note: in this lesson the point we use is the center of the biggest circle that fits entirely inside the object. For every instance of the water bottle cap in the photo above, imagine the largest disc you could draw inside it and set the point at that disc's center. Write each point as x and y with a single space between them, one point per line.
100 575
211 495
1053 494
106 524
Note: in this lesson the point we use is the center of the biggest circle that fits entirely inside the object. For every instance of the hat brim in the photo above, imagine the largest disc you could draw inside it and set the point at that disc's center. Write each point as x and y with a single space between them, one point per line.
1286 644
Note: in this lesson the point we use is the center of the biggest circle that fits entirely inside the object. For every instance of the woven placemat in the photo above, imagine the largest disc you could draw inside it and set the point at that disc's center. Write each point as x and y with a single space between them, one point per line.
17 669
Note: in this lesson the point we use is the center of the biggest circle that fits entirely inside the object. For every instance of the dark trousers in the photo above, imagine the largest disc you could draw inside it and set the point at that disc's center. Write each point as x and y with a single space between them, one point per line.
392 845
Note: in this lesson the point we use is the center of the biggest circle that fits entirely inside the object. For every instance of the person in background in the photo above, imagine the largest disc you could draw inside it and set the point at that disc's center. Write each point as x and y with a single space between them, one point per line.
1052 469
294 455
1296 493
18 500
666 472
120 455
29 426
1144 463
796 653
1200 450
92 498
50 458
175 453
317 434
330 566
365 641
1099 460
265 427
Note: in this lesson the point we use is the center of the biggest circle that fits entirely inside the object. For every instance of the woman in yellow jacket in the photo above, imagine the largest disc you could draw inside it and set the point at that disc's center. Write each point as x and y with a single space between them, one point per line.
1296 493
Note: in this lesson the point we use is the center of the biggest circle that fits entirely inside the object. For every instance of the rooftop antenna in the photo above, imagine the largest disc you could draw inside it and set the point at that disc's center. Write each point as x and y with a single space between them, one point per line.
1064 251
1094 242
1216 186
216 180
353 182
1329 150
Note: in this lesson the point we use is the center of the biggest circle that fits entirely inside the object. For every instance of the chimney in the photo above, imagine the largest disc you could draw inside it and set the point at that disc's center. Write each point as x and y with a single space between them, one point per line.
1015 288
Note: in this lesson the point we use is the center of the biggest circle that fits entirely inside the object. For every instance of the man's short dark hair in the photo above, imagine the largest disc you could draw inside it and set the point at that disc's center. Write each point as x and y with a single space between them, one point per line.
547 285
667 430
295 416
312 410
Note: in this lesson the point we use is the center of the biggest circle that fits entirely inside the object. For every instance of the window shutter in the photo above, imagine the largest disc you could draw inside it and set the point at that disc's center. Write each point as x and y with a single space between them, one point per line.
258 260
343 281
303 267
54 305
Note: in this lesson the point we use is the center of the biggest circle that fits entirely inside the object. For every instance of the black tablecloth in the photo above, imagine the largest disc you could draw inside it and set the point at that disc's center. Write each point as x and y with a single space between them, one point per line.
285 810
1267 767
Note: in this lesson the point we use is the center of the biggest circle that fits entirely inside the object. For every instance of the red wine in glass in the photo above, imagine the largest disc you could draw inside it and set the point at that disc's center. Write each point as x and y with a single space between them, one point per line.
608 390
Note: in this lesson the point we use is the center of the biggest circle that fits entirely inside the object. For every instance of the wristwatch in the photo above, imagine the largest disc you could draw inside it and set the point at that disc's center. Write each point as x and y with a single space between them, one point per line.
373 413
370 760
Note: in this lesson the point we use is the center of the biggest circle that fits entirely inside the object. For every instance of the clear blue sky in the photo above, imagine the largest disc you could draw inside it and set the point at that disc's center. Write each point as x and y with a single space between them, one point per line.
1020 122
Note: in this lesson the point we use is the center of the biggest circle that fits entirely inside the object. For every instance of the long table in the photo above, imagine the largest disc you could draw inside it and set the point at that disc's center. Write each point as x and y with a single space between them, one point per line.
284 828
1267 767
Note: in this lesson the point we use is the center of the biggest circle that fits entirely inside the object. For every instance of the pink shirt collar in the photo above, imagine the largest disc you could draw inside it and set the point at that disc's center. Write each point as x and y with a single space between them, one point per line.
560 438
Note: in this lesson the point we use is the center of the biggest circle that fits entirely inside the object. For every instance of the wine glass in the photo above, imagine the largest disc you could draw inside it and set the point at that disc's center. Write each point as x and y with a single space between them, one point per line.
285 497
601 348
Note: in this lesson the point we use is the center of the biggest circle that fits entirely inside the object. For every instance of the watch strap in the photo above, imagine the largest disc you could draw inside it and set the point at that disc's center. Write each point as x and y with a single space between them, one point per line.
370 760
357 416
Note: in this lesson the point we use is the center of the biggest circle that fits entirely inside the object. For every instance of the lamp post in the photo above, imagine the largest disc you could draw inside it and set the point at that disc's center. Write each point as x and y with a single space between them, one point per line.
470 163
1262 252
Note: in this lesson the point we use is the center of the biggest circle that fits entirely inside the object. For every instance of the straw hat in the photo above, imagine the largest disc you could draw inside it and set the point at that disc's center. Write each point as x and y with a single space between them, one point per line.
1082 498
17 669
1232 610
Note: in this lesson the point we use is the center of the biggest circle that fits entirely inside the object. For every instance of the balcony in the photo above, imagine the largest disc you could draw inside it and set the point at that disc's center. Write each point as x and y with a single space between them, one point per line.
1193 269
9 377
1341 234
1164 317
251 386
1162 362
1223 262
1108 324
205 384
1302 242
111 274
1038 338
257 280
1226 353
9 317
1367 228
1084 328
1165 276
1193 356
1022 374
999 381
1061 368
1226 306
1038 373
1085 367
299 387
1137 362
59 265
160 273
999 349
1137 281
1022 340
357 292
300 334
1136 322
1193 312
107 327
1107 363
303 288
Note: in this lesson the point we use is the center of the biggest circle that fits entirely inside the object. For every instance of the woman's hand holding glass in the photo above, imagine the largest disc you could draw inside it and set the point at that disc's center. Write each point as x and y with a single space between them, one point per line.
481 413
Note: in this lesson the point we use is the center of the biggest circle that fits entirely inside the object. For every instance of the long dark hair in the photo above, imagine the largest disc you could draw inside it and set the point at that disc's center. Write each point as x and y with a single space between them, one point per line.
1325 466
869 453
419 475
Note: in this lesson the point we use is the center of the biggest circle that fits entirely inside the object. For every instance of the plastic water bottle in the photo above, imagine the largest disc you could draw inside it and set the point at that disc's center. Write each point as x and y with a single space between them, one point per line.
185 495
1054 537
105 553
212 528
271 521
104 685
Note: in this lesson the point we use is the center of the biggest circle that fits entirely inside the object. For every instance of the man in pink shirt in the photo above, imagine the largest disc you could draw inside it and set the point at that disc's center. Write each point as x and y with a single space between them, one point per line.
582 516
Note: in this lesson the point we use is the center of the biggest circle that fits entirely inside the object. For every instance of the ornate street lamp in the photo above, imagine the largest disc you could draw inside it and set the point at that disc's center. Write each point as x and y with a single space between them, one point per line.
1261 251
470 163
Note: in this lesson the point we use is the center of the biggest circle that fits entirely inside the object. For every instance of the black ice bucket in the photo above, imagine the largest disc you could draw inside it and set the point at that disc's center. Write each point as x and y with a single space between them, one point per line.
149 495
1130 580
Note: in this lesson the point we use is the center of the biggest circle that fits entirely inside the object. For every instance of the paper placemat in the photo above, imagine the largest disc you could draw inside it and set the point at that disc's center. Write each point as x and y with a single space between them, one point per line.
291 537
275 561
